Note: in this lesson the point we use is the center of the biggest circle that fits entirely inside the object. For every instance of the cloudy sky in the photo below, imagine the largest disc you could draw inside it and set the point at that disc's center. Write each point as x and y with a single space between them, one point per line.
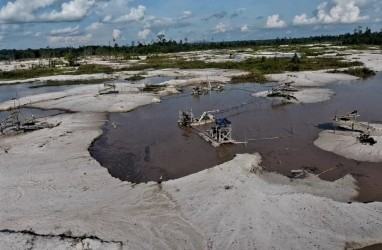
56 23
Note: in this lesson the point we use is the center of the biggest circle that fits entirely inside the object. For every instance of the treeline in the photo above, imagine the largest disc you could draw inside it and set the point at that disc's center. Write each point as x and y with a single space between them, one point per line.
162 45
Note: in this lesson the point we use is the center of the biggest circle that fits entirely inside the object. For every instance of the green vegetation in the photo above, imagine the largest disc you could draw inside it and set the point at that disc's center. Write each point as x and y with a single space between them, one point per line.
154 88
251 77
29 73
257 67
71 58
92 69
135 78
361 72
20 74
359 38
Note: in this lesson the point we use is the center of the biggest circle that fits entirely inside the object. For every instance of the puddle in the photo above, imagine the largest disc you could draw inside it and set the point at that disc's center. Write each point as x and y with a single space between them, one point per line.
154 80
15 91
28 112
148 145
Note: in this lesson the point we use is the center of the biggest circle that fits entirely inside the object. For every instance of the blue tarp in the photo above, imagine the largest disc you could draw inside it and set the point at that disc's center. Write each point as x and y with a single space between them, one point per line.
222 122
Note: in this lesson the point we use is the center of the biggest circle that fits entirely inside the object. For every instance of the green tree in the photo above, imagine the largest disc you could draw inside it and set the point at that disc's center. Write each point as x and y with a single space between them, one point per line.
71 58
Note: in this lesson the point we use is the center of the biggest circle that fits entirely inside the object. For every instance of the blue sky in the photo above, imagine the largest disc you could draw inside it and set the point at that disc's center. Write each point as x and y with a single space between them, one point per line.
57 23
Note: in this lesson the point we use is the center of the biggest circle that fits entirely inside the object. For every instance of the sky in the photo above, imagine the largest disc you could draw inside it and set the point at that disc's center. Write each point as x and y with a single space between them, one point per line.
72 23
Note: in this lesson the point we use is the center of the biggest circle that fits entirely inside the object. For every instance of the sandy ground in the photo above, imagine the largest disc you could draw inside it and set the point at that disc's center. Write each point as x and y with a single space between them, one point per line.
235 205
304 95
87 99
50 185
309 83
60 78
371 58
310 78
345 143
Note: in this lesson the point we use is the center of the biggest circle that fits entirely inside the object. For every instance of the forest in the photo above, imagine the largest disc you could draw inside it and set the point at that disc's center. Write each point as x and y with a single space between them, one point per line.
163 45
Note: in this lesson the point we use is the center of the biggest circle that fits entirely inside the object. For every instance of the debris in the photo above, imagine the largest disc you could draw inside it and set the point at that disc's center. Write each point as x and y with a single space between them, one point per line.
348 122
13 124
187 119
284 91
295 173
205 88
278 93
366 139
109 89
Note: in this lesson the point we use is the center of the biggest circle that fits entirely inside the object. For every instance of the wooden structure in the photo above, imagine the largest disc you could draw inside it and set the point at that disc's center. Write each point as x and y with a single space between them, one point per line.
284 91
187 118
205 88
13 124
109 88
349 122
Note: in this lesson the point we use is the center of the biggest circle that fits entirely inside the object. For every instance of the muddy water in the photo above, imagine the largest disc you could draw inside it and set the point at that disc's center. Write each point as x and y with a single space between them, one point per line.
15 91
148 144
26 113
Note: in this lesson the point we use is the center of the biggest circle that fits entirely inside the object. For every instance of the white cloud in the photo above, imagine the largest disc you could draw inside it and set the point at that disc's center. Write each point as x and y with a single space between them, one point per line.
116 34
94 26
143 34
342 11
68 30
107 18
58 40
22 10
134 15
72 11
274 22
245 28
187 13
222 28
1 38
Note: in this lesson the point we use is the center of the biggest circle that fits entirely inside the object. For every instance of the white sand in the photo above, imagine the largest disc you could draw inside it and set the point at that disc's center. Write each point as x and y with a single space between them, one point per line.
194 76
50 184
60 78
305 95
345 143
371 59
20 241
87 99
310 78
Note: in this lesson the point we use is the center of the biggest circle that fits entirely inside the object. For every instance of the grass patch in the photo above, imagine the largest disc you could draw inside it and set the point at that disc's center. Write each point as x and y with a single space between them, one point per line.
153 88
135 78
362 72
257 67
93 69
29 73
251 77
262 65
20 74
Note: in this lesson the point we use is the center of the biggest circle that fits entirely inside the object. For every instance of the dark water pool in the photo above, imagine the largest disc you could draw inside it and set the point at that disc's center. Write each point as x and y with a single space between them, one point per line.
28 112
148 144
15 91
